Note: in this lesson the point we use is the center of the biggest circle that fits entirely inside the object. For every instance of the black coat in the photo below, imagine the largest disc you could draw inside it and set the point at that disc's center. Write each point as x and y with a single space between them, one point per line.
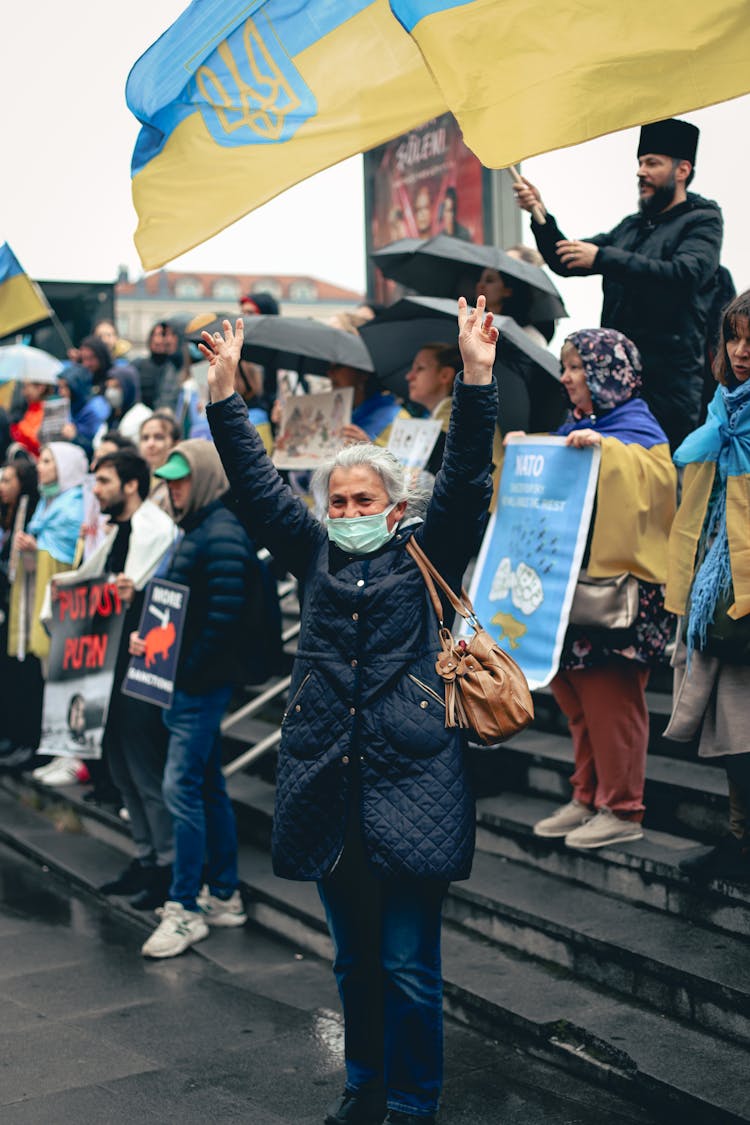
218 562
659 275
365 720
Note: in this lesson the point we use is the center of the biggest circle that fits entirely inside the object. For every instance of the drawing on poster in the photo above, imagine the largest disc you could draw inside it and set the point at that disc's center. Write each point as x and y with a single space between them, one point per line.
311 428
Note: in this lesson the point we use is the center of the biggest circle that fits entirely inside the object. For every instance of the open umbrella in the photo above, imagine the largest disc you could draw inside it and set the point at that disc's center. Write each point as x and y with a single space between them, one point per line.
28 365
299 343
449 267
528 375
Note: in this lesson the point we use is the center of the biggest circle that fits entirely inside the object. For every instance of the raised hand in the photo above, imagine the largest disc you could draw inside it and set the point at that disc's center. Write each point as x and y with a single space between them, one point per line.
223 355
477 338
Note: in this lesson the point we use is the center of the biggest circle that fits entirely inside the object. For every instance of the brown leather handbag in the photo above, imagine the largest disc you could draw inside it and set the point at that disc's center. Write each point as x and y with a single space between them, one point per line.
485 690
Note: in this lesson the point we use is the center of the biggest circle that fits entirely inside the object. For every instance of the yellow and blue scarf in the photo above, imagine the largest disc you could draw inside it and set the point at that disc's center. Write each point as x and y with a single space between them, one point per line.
716 509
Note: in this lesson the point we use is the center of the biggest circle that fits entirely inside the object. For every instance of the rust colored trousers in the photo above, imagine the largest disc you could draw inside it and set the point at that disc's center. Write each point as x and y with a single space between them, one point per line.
608 720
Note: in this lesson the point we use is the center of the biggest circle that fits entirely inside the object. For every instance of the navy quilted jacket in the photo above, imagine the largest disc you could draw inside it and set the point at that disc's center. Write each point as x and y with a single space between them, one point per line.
218 563
365 716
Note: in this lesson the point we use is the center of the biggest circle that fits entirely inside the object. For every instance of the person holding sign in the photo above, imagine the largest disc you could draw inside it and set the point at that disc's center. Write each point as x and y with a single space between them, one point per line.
137 536
430 381
604 669
217 562
46 547
372 798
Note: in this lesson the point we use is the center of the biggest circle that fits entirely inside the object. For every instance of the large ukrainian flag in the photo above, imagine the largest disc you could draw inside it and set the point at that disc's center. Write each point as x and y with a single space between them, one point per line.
240 99
21 300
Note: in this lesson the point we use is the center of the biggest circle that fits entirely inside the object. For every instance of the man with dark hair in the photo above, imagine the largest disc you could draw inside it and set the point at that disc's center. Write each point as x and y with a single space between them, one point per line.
135 740
659 269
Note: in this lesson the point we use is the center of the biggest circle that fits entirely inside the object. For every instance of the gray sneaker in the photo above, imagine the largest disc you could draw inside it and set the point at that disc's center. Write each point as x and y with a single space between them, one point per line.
563 820
222 911
604 829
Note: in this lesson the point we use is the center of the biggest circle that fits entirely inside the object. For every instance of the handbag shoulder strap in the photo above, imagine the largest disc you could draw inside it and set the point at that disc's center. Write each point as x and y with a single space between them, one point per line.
429 572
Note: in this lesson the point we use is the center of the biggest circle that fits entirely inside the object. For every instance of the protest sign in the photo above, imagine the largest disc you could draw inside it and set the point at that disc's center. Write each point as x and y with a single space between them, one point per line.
56 416
526 573
84 637
151 677
311 428
412 440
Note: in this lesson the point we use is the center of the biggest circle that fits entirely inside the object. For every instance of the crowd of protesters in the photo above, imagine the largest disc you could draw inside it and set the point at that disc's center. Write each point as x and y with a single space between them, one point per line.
187 493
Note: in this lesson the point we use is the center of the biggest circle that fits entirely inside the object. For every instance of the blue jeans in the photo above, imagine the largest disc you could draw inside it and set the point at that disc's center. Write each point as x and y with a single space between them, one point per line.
196 796
386 936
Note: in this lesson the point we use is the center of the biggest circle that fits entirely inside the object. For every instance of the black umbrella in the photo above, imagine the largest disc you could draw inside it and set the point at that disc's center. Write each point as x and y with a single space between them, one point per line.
528 375
300 343
449 267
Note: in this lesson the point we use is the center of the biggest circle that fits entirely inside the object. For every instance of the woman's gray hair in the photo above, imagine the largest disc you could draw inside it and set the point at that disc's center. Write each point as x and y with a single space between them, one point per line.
390 470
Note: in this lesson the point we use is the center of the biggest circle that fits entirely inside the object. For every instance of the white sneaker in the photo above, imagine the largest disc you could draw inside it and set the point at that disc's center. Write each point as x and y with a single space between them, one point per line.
222 912
564 820
178 930
605 828
67 771
50 767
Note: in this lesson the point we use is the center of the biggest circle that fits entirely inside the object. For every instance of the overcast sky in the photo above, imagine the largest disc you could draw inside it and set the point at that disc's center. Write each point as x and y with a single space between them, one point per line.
68 136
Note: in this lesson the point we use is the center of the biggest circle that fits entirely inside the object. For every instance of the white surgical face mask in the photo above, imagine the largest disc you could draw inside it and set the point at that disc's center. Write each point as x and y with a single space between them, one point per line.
113 396
360 535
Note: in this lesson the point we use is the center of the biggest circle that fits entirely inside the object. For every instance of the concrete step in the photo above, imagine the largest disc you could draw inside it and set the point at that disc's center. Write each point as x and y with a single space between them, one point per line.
671 965
681 797
645 871
609 1039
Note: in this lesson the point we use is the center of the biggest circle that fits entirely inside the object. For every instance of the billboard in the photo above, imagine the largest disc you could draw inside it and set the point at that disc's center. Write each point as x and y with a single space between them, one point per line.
423 183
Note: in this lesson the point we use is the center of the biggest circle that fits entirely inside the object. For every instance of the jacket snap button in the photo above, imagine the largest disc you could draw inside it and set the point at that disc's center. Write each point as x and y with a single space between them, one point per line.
354 663
355 617
360 581
424 705
363 759
352 710
298 707
345 760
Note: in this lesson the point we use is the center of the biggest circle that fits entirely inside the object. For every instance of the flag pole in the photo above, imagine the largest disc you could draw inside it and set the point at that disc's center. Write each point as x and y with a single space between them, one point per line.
56 322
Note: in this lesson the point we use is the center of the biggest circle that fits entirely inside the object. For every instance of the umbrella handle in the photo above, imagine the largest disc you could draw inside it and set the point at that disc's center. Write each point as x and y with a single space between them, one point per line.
536 210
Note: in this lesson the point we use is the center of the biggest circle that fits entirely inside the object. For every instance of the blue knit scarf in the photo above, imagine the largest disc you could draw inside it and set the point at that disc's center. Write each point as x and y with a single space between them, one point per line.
713 581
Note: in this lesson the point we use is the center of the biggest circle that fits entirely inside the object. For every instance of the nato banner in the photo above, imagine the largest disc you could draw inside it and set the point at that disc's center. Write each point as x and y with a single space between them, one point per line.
526 573
151 677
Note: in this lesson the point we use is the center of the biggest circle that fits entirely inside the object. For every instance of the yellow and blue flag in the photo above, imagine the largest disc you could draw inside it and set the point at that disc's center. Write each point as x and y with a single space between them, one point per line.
524 77
240 99
21 300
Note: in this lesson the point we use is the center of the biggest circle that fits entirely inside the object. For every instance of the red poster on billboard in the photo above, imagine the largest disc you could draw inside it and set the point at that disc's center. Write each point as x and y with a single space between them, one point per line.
423 183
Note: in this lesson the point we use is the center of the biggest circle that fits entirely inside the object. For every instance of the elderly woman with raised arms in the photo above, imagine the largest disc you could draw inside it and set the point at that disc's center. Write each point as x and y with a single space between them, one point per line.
372 800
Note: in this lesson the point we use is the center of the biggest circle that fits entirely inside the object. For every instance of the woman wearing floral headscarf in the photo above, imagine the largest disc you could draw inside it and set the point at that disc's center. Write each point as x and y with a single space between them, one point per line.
601 682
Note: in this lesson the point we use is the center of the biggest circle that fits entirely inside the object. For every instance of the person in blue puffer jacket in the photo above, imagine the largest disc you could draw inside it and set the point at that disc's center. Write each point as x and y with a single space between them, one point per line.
87 412
372 799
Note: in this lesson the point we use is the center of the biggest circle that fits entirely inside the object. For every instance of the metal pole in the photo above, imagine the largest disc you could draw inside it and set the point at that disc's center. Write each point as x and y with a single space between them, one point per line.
253 753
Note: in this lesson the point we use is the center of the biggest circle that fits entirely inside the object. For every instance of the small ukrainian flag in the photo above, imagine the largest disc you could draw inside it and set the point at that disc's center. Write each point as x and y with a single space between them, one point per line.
21 300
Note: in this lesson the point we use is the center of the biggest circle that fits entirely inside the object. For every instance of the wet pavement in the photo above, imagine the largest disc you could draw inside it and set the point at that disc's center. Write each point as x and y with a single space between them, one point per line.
92 1033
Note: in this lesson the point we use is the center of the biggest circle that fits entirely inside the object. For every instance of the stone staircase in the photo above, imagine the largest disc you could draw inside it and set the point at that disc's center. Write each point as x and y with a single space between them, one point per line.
608 963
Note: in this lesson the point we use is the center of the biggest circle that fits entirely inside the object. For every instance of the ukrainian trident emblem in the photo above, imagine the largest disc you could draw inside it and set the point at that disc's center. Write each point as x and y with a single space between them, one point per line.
250 90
